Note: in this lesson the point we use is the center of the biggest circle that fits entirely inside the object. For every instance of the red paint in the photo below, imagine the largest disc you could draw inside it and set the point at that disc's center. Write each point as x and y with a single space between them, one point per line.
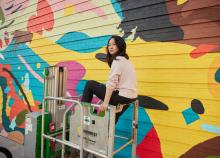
202 50
150 146
43 20
6 33
6 38
0 43
6 41
19 104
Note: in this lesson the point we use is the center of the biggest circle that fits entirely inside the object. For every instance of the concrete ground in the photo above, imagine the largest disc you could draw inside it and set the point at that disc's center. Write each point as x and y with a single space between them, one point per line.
16 149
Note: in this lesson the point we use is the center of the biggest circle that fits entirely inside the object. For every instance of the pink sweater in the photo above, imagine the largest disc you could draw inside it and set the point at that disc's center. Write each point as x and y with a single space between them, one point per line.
122 77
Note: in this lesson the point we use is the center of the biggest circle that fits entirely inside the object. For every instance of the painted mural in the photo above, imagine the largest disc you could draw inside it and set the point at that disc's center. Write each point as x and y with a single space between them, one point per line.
174 45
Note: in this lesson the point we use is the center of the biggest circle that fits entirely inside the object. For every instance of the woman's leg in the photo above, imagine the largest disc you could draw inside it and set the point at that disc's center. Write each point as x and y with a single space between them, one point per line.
98 89
91 88
123 100
94 87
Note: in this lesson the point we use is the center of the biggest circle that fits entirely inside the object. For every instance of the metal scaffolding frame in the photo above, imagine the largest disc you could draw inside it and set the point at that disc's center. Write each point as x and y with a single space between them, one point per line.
53 102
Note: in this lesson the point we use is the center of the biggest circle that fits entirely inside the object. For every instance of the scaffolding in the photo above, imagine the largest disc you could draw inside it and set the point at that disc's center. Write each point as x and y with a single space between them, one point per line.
88 129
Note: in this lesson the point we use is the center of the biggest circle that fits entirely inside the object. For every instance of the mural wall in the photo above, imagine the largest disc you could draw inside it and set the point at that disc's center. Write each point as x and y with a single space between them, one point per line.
174 45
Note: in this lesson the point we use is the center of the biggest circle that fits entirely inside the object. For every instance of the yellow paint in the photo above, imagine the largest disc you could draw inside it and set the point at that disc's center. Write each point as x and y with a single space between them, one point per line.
19 67
30 98
180 2
172 130
38 65
69 10
61 54
19 92
8 109
214 89
166 72
22 87
79 21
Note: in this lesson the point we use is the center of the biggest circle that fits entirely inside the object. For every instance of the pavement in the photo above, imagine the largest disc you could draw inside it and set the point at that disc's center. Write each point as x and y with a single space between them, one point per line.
17 150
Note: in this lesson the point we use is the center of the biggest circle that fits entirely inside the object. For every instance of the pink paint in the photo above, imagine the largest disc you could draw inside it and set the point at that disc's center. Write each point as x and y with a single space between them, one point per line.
150 146
4 133
6 38
80 6
75 73
202 50
30 69
43 20
6 33
22 4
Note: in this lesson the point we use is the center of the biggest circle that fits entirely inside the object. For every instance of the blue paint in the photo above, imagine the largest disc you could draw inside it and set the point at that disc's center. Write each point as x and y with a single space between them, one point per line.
190 116
117 8
217 76
11 58
11 102
123 128
13 123
211 128
7 89
82 43
80 86
5 119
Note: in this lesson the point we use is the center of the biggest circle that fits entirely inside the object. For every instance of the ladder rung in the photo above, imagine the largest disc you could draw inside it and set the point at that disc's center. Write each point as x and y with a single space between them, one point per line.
122 137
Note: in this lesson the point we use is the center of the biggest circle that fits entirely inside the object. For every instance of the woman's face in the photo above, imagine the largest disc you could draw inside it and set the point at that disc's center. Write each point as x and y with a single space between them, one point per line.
112 47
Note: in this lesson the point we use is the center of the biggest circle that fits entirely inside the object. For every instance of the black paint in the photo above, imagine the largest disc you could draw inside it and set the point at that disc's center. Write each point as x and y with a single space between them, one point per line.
151 19
197 106
151 103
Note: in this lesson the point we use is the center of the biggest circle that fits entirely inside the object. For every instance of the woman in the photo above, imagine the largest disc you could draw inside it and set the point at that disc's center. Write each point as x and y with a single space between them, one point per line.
121 86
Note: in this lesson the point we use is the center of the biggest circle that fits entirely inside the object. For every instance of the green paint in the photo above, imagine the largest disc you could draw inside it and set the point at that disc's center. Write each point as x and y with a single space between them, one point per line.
213 156
21 117
46 72
2 16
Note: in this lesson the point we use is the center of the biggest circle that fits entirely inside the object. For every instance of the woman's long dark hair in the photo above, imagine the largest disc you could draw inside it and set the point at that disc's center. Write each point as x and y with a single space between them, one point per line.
120 43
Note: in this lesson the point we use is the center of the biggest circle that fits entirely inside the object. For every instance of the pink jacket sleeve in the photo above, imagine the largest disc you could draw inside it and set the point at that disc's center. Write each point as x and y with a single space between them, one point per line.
114 75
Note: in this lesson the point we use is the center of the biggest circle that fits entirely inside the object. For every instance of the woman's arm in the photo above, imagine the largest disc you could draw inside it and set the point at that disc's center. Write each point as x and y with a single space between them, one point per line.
108 94
113 80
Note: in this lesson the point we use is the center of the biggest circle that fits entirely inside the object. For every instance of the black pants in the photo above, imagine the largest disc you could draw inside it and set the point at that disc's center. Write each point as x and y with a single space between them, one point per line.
94 87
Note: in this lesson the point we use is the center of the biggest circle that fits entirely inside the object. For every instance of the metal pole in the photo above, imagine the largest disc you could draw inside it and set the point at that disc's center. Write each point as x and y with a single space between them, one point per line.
122 137
134 128
111 133
76 146
81 131
64 128
123 146
43 110
42 130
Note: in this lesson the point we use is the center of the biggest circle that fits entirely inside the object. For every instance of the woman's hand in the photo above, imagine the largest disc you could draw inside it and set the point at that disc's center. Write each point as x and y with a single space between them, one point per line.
103 106
108 94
